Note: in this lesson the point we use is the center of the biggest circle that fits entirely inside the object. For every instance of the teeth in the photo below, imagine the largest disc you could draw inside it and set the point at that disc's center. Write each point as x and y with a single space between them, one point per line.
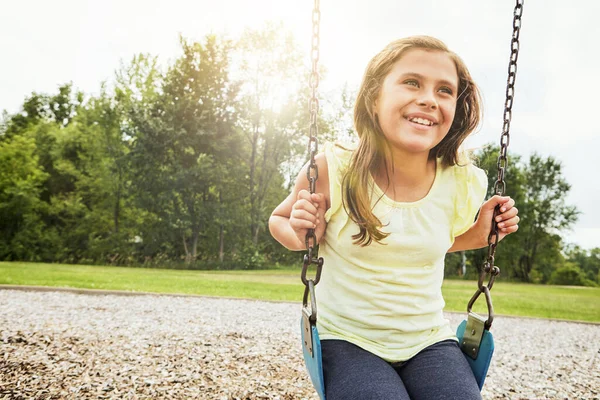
421 121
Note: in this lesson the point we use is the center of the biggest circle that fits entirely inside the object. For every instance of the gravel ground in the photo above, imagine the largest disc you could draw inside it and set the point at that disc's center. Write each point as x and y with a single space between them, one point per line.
56 345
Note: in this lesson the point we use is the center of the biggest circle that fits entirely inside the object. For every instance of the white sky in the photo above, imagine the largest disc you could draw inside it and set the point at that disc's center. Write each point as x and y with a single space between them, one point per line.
45 44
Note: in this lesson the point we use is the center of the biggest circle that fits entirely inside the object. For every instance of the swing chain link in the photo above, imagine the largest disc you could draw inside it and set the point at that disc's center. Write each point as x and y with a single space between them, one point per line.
312 172
500 185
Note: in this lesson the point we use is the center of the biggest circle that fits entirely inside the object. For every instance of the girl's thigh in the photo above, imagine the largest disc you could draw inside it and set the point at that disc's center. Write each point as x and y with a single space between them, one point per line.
352 373
439 372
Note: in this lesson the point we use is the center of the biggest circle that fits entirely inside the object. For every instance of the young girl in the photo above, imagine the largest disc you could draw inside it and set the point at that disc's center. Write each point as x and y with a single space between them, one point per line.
385 214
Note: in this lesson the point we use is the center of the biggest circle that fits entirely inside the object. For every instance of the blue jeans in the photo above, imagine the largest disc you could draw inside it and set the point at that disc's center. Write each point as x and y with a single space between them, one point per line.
438 372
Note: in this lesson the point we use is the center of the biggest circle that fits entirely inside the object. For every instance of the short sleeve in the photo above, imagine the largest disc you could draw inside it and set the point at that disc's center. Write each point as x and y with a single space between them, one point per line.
471 185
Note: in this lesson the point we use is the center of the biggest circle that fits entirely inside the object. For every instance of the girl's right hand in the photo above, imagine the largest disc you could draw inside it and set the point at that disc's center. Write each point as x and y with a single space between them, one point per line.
308 212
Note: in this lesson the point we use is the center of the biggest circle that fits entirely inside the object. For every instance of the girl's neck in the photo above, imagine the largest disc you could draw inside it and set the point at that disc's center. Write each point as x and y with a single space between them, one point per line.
409 170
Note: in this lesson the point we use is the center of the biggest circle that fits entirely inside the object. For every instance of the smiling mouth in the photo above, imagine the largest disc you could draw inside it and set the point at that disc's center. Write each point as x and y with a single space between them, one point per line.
421 121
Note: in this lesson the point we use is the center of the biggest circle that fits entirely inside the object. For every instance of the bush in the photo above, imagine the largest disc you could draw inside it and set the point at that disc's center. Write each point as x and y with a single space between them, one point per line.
570 274
251 257
536 276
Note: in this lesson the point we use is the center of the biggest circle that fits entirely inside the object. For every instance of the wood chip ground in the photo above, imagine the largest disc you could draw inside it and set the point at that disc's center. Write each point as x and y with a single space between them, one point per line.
61 345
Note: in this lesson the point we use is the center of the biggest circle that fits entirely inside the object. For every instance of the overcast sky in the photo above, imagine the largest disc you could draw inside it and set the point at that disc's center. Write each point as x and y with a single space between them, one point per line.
45 44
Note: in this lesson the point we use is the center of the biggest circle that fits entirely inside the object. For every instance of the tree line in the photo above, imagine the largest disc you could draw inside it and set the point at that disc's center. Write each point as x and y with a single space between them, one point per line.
180 166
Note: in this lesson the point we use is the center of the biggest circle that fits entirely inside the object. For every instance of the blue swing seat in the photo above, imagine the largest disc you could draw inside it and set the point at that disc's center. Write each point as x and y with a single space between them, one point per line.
481 364
314 364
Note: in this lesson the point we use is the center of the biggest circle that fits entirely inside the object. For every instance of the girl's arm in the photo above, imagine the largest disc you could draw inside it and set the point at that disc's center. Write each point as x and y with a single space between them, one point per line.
477 236
301 211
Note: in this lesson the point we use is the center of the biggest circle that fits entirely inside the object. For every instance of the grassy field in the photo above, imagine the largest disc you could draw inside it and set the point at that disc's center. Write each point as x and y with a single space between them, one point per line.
562 302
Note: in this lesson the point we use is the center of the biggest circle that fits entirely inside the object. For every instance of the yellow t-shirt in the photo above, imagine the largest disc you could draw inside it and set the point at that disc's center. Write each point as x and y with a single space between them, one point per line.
387 299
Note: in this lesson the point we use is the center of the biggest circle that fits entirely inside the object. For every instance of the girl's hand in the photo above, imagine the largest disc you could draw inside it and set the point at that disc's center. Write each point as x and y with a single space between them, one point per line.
308 212
507 220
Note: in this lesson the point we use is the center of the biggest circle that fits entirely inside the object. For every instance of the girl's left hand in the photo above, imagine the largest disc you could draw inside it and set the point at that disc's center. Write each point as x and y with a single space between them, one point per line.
507 220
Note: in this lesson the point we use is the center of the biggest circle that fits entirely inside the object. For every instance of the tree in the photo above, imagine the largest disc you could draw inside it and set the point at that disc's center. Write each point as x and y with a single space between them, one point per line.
507 253
33 111
588 261
43 121
271 75
544 210
539 189
60 108
178 145
21 180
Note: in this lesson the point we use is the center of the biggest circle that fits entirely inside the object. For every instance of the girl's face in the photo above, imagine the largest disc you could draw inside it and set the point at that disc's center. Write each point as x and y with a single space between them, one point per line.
417 101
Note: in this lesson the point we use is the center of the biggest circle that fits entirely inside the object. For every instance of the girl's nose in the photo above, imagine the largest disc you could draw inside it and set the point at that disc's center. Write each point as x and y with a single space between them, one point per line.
427 100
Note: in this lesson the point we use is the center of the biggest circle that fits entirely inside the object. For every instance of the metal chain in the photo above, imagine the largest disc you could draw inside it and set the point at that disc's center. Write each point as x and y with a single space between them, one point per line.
312 173
500 185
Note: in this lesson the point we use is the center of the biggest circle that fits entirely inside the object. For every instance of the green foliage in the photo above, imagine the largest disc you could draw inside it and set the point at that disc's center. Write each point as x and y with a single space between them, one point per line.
454 263
270 116
189 134
587 261
539 190
60 109
569 274
21 181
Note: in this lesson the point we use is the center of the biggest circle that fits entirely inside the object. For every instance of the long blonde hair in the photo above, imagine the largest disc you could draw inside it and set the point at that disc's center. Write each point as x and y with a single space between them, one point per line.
369 156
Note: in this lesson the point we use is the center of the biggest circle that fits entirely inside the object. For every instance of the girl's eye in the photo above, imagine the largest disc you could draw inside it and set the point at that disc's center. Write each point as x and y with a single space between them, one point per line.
411 82
446 90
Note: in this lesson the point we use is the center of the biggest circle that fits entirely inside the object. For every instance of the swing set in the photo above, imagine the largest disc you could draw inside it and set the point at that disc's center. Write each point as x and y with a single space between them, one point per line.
475 338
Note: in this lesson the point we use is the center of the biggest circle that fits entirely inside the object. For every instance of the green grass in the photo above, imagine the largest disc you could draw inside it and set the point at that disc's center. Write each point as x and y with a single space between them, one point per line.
544 301
520 299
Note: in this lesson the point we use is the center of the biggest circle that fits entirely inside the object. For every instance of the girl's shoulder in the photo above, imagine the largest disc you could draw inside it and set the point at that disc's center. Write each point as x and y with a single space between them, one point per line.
337 155
470 184
468 178
335 159
466 167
